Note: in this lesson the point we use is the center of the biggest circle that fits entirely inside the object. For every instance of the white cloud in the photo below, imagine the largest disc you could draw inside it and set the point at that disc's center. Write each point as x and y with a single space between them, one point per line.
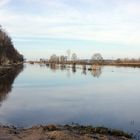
131 9
69 22
3 3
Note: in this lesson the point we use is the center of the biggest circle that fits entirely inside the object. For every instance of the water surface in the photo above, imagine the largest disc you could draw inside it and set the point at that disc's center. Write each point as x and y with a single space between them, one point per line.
42 95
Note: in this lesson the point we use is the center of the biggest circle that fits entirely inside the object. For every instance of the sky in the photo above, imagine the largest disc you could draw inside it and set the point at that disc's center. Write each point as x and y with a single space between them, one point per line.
40 28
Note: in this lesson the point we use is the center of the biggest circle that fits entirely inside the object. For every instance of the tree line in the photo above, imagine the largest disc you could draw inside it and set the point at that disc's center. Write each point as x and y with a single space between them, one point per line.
71 57
8 54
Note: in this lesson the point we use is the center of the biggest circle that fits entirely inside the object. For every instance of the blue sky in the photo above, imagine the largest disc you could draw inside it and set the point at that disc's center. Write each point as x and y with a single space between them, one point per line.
42 27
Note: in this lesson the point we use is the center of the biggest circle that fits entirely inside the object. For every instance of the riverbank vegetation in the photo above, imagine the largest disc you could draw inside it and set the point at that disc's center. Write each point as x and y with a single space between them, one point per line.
96 59
8 54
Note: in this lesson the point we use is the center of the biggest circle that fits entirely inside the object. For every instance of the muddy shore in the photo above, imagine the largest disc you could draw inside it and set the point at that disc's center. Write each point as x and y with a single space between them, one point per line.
59 132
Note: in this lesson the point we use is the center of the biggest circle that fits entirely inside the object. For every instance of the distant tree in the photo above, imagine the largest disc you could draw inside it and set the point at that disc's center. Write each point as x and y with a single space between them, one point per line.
126 60
54 58
118 60
97 57
42 60
68 54
133 60
63 58
74 57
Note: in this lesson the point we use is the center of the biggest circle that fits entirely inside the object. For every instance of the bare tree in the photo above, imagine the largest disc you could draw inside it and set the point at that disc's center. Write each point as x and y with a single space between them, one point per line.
97 57
68 54
74 57
54 58
63 58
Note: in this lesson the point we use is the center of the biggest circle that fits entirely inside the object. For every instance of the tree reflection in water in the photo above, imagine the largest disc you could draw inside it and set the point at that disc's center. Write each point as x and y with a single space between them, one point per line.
97 72
63 67
54 67
84 72
7 80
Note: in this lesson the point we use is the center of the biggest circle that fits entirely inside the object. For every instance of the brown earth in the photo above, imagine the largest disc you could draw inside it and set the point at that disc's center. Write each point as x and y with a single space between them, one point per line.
67 132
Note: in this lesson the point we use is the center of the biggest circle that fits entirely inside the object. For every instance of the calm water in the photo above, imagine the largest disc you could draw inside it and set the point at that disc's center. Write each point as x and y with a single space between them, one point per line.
41 95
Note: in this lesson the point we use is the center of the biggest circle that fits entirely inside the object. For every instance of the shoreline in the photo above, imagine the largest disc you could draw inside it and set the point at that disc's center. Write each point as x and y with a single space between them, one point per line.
133 65
5 69
62 132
